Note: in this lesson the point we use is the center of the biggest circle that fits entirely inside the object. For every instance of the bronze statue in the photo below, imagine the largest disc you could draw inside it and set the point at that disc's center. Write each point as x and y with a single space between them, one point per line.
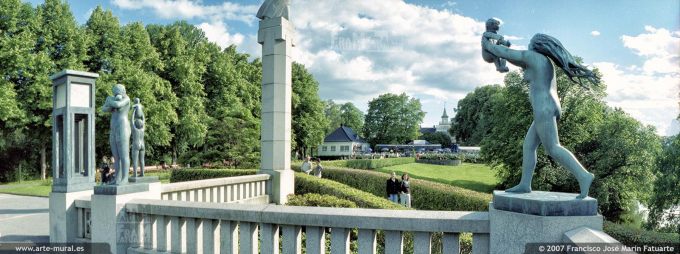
537 62
119 137
138 126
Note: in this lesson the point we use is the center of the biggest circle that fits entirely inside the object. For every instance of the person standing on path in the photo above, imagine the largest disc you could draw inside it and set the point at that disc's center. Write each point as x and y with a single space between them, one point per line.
405 195
392 188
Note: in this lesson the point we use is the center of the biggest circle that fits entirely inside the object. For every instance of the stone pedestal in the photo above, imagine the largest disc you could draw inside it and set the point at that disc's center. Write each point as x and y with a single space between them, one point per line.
276 37
143 179
537 217
110 222
64 216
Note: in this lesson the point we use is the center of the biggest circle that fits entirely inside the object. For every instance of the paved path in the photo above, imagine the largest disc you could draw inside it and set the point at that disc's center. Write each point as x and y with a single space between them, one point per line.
24 219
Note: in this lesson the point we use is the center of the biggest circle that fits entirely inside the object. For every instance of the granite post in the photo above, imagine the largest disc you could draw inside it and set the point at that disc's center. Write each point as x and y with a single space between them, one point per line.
276 36
110 222
516 219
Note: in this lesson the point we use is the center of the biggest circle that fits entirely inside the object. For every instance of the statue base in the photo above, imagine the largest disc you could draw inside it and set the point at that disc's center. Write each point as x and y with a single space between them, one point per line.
545 203
143 179
516 219
121 189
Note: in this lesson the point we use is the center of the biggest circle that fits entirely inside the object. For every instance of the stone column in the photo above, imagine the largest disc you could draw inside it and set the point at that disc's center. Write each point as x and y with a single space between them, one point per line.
276 37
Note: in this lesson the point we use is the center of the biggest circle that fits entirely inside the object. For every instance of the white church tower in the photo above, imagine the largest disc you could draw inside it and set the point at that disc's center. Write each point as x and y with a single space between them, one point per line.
445 124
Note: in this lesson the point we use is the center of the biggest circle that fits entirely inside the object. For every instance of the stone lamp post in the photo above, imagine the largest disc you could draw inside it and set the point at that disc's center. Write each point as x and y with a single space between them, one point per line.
73 155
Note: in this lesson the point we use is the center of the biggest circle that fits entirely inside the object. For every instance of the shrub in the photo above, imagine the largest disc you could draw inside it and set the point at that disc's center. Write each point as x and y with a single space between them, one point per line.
310 184
427 195
192 174
314 199
378 163
631 236
441 156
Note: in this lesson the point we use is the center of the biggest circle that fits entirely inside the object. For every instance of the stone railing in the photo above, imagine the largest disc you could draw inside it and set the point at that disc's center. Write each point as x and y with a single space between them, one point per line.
239 189
84 210
189 227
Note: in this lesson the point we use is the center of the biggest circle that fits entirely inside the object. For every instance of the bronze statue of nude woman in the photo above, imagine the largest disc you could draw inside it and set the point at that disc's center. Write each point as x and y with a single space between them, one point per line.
537 64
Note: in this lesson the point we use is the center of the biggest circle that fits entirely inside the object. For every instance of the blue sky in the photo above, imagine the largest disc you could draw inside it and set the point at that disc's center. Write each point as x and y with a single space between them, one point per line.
429 49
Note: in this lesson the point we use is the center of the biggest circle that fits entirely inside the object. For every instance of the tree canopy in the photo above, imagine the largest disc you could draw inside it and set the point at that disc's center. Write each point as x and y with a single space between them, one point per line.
343 115
393 119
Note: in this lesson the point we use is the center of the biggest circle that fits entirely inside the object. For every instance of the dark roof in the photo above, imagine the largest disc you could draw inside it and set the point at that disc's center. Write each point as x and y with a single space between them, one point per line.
343 134
427 130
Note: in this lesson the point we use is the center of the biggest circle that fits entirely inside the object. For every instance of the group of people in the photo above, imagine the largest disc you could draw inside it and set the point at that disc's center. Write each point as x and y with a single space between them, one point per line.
310 169
399 191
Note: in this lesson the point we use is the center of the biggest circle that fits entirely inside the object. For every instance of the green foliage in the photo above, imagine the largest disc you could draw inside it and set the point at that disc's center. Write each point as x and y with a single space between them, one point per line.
442 156
476 177
427 195
666 194
192 174
377 163
314 199
309 123
310 184
619 150
343 114
631 236
472 121
393 119
438 138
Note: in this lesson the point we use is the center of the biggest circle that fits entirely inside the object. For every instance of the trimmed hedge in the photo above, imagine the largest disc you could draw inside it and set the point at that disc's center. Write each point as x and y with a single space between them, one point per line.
631 236
313 199
310 184
377 163
192 174
427 195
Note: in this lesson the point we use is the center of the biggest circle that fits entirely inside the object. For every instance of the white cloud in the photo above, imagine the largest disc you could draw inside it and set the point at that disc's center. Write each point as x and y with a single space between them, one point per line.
218 32
360 49
188 9
660 48
649 93
595 33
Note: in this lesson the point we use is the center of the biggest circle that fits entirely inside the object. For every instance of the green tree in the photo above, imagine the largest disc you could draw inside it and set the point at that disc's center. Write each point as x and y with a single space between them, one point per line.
343 114
471 122
438 138
183 49
309 123
333 115
666 194
233 136
351 116
393 119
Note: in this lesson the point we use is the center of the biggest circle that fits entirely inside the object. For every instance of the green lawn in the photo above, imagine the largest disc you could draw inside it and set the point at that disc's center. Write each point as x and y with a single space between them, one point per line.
38 188
43 188
478 177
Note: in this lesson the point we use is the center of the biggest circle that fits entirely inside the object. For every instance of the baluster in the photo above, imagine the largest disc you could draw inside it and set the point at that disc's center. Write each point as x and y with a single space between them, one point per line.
270 238
394 242
162 233
451 243
316 240
192 235
220 194
367 241
210 240
340 241
136 220
292 239
248 238
176 224
149 221
227 193
228 237
81 222
183 196
480 243
422 243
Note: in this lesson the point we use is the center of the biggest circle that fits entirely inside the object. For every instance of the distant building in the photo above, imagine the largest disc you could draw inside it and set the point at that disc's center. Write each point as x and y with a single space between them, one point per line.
443 126
343 142
415 145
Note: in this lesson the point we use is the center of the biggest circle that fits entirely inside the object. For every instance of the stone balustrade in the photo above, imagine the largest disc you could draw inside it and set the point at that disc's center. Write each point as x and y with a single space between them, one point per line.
84 210
238 189
190 227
